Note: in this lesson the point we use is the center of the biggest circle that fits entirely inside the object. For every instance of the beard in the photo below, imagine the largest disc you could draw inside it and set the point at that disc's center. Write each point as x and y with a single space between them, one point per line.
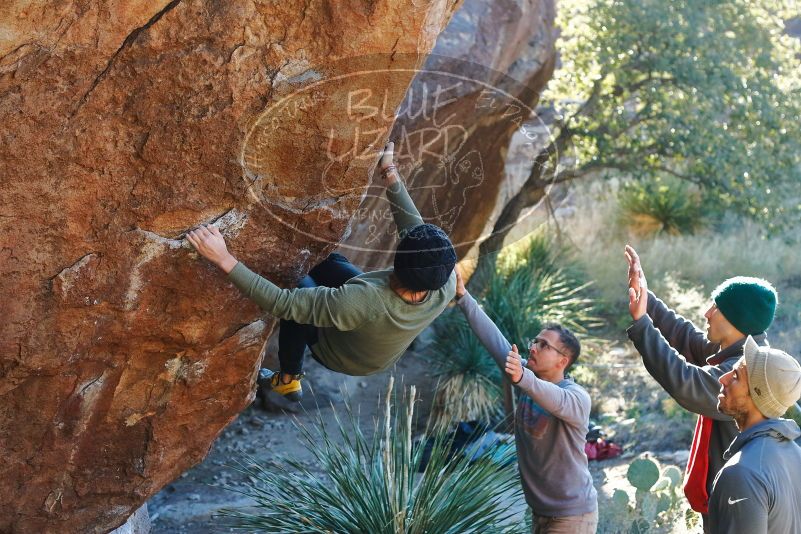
737 411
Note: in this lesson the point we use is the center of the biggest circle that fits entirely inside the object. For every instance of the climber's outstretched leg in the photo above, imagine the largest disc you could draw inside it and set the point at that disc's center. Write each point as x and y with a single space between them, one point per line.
334 271
293 338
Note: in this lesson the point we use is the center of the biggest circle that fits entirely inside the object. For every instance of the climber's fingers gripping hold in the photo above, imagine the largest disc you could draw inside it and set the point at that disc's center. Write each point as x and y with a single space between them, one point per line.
387 156
210 244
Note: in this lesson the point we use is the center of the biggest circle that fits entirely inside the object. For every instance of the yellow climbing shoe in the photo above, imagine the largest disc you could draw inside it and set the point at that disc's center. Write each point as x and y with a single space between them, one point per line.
276 381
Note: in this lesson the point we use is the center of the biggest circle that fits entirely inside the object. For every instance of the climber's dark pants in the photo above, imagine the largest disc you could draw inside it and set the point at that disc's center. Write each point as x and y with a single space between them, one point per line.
293 338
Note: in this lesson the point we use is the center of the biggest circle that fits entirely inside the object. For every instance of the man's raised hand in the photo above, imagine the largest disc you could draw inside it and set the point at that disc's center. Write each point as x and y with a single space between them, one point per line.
638 287
635 268
210 244
514 365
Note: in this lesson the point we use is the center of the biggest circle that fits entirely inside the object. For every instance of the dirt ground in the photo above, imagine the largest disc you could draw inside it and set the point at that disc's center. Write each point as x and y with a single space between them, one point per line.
637 415
186 505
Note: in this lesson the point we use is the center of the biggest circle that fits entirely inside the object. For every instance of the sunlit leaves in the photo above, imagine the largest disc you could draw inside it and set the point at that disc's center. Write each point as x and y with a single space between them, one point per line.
709 91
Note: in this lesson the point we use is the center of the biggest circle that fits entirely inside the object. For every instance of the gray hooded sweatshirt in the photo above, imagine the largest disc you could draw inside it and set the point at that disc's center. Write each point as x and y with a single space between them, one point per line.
551 424
758 490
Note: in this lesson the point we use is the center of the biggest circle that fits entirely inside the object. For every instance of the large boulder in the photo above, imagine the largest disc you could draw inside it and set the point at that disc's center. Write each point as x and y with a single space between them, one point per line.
467 132
122 354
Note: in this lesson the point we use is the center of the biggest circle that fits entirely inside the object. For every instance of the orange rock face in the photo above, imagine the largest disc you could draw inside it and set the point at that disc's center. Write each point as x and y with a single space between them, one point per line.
454 129
124 124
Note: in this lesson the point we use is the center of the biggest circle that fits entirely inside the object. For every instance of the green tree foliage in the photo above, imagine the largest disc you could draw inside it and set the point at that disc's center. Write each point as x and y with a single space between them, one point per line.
708 91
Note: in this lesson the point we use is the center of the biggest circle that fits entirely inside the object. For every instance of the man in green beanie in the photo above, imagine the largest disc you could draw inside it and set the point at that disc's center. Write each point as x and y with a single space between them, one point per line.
688 362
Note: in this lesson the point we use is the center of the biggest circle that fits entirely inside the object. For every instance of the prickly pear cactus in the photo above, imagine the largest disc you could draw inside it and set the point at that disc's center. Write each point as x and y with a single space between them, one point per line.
674 474
647 504
662 484
620 499
643 473
664 503
655 500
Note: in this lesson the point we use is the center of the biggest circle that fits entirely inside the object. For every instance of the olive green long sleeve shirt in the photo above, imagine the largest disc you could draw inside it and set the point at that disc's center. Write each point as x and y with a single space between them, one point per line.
364 326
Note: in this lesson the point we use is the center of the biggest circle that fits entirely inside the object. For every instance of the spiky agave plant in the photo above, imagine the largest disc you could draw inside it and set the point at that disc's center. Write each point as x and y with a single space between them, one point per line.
537 282
468 387
373 485
666 205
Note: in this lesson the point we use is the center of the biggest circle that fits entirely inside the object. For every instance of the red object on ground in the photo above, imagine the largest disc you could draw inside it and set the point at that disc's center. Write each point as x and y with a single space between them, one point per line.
601 449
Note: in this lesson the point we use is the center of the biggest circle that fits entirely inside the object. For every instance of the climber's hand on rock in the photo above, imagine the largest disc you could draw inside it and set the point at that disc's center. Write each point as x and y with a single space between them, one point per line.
209 242
387 156
387 164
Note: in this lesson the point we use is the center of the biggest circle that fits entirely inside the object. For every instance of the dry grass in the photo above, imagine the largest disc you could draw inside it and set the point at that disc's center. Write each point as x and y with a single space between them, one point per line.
684 269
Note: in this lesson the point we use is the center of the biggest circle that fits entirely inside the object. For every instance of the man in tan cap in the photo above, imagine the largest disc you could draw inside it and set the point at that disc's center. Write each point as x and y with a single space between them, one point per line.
759 488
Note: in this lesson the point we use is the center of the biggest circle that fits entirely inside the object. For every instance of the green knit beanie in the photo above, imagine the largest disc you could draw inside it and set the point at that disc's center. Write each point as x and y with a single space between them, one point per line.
747 303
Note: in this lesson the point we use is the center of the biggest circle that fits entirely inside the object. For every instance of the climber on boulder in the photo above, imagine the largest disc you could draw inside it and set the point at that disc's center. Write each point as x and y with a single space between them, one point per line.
355 323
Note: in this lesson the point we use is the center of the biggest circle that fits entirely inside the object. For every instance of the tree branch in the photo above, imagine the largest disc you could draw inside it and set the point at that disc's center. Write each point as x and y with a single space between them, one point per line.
588 105
670 171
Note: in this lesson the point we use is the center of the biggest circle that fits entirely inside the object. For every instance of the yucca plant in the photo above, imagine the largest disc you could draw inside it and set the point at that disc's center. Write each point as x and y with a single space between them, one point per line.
537 282
663 205
374 485
468 387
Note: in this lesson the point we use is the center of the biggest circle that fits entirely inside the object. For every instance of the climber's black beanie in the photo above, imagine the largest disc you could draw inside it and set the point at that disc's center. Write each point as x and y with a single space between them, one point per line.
424 258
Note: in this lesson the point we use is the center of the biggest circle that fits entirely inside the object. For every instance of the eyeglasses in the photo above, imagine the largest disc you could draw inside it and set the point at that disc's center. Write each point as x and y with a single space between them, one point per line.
543 344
